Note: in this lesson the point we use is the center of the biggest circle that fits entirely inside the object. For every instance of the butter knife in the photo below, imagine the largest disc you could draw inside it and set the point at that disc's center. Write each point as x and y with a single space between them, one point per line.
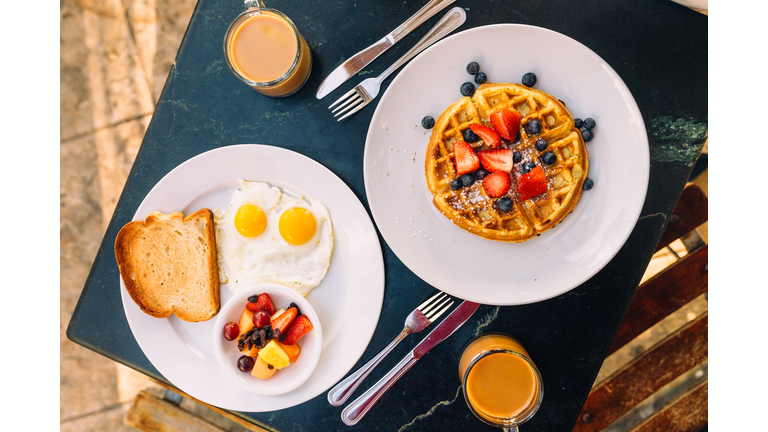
355 411
360 60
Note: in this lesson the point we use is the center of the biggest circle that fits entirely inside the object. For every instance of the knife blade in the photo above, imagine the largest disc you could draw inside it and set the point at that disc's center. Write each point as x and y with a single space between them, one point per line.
357 62
355 411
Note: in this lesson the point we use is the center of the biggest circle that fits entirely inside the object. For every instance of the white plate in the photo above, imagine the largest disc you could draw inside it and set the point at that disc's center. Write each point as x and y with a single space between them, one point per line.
472 267
348 301
286 379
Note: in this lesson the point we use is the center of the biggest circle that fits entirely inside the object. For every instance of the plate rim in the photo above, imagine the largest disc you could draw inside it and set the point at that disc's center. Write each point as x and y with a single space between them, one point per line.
632 108
375 266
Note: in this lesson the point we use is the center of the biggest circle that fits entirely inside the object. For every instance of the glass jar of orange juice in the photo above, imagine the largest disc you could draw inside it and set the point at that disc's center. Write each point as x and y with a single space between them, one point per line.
501 385
264 49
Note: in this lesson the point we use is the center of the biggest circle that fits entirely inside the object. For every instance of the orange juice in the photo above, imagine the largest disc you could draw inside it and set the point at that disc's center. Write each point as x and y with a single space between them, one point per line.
501 385
265 50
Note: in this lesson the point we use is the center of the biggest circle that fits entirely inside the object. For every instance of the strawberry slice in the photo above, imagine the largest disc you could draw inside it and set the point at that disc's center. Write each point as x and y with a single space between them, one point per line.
532 184
262 301
301 326
497 183
490 137
496 159
284 320
465 157
506 122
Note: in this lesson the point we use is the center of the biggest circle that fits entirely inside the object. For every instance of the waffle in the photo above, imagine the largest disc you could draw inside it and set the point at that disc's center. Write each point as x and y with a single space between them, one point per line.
470 207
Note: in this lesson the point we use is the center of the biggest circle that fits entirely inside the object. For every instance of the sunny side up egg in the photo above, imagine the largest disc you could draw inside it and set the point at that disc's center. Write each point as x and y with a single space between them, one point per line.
267 236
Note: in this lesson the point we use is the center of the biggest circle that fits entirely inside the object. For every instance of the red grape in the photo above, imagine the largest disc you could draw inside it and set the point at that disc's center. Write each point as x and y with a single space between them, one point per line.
245 363
261 318
231 330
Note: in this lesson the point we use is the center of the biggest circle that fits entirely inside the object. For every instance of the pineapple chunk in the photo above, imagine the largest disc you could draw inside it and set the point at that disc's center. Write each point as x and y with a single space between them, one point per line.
274 355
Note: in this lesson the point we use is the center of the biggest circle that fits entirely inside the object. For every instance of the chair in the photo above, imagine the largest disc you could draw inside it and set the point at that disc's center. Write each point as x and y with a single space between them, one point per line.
665 388
155 410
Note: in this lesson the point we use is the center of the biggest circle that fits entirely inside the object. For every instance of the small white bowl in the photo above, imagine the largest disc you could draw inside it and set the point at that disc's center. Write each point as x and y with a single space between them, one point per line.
286 379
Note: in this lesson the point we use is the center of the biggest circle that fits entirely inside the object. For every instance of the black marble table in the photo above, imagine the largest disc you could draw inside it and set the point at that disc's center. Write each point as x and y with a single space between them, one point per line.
658 48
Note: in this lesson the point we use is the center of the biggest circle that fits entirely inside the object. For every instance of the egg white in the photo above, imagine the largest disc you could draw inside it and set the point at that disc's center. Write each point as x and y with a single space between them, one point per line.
268 258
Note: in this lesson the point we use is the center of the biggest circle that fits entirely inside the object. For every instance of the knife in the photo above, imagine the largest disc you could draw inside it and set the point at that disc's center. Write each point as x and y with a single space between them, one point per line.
360 60
357 409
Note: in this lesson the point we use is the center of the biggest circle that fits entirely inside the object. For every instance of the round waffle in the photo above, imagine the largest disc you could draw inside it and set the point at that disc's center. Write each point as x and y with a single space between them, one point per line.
471 208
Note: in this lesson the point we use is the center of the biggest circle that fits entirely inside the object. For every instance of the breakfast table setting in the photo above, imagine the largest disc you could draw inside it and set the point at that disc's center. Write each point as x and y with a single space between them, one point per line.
373 150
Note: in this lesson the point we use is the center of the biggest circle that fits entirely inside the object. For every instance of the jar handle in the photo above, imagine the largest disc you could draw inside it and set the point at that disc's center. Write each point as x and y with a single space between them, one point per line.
249 4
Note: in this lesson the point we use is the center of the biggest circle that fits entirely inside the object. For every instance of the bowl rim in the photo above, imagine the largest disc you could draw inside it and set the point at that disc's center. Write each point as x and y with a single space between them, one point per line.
311 351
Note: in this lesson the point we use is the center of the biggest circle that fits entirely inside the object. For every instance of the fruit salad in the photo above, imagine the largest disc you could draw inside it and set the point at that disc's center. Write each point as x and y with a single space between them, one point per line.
267 336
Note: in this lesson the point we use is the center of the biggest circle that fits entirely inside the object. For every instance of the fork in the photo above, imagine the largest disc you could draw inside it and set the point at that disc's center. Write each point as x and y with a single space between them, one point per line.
363 93
418 320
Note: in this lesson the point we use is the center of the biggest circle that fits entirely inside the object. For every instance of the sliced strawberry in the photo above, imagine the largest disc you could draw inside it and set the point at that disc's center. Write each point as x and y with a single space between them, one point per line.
490 137
301 326
497 183
506 122
465 157
532 184
262 302
496 159
285 319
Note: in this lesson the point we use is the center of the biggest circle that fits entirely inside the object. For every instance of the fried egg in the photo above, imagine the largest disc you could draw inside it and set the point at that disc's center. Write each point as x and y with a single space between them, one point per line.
267 236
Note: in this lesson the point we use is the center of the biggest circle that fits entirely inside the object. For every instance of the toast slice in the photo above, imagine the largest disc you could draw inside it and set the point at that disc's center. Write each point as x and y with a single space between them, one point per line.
168 265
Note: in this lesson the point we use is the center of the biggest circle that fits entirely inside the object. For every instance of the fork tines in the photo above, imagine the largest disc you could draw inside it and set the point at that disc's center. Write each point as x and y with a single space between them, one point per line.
436 305
353 100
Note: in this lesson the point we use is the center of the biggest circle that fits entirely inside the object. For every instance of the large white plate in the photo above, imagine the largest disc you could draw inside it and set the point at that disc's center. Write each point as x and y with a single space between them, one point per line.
469 266
348 301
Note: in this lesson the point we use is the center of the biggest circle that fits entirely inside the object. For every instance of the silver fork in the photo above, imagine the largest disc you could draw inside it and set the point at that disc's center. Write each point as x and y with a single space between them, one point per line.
418 320
363 93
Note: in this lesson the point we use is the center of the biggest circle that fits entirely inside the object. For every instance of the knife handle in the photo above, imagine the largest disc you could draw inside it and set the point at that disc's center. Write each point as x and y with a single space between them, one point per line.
343 390
448 23
355 411
428 11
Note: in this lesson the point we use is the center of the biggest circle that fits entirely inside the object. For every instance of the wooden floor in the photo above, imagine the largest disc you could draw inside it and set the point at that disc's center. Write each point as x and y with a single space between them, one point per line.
115 56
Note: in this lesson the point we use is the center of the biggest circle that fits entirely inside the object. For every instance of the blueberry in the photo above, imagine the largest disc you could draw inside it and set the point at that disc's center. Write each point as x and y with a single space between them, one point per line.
549 158
534 127
427 122
589 123
578 123
481 78
467 179
586 134
516 157
481 173
529 79
588 184
505 204
467 89
473 68
527 167
470 136
456 184
517 137
541 144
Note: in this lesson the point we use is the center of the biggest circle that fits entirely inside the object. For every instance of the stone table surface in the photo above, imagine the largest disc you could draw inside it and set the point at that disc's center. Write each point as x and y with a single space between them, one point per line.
657 47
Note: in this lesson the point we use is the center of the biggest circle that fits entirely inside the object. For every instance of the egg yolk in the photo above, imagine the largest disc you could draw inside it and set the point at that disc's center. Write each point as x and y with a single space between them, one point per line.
250 221
297 225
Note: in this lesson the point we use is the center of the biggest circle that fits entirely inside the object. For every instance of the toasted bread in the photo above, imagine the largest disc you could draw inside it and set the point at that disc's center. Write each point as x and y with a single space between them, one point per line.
168 265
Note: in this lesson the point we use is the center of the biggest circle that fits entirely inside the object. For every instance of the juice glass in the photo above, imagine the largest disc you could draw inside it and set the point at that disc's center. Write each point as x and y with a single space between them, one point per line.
501 385
265 50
